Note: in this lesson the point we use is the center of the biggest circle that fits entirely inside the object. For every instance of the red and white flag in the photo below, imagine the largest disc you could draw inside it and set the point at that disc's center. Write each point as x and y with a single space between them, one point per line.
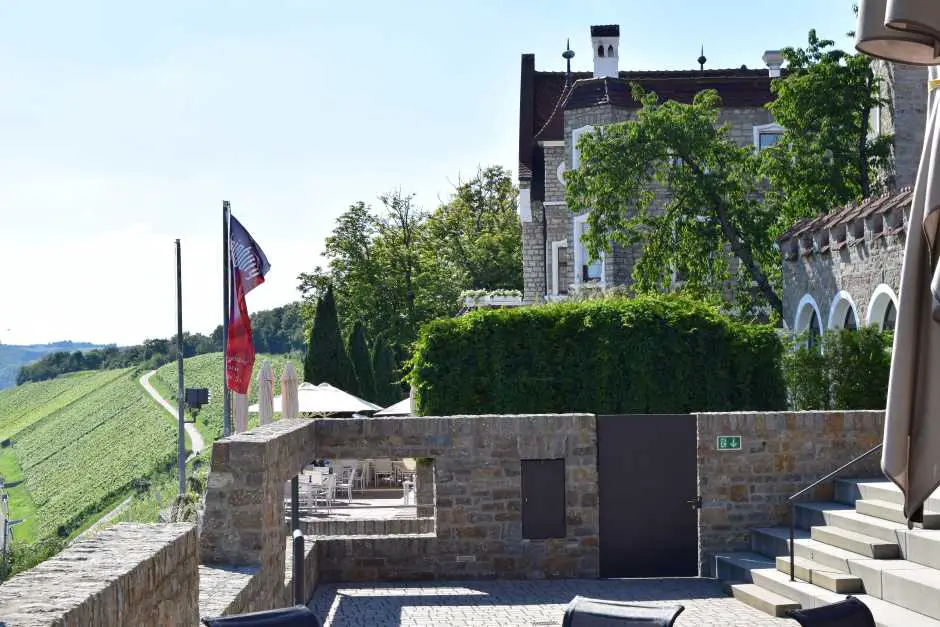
247 266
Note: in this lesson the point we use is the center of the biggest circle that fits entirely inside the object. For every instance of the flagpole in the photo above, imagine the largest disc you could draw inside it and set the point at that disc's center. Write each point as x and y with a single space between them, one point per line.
226 300
181 437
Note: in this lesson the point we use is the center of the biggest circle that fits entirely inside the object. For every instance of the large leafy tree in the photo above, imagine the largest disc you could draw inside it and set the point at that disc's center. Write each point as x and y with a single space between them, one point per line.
711 201
478 231
827 155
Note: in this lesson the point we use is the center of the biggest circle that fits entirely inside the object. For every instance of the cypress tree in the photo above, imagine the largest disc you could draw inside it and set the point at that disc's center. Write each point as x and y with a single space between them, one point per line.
361 362
387 387
326 360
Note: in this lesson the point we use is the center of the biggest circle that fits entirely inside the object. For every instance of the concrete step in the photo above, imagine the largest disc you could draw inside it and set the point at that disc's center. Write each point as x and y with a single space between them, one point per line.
856 542
737 567
830 556
887 510
811 513
917 589
921 546
845 517
808 595
850 490
820 575
774 541
763 599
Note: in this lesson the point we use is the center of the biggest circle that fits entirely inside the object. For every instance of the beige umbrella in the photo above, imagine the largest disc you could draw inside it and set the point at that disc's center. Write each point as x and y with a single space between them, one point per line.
288 407
240 411
904 31
325 400
912 419
401 408
266 392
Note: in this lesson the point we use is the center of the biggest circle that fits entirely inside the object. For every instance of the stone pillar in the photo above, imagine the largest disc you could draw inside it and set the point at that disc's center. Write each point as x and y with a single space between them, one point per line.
424 488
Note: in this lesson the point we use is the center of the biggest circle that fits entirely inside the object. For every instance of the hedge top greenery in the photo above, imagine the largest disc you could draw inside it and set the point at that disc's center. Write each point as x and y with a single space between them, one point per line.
651 354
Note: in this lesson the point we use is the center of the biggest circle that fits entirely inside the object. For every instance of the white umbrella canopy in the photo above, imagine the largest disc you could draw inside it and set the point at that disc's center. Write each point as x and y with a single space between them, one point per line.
912 418
288 407
324 399
401 408
266 392
240 411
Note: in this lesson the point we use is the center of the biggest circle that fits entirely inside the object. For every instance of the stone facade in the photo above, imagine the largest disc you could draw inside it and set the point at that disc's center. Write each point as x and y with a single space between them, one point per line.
126 575
559 220
905 116
781 454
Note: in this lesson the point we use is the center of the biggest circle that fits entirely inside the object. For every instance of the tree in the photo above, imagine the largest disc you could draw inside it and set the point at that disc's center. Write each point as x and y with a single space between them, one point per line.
827 155
326 360
387 380
361 361
711 206
478 232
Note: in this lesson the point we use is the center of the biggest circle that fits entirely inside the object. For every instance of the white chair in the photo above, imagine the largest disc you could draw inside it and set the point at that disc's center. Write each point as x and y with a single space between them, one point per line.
327 492
346 481
383 470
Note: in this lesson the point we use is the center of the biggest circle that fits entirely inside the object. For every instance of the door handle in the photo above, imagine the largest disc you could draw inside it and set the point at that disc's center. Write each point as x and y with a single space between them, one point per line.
696 503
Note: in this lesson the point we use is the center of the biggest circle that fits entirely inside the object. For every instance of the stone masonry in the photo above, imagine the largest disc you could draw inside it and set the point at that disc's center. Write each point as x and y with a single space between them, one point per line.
781 454
127 575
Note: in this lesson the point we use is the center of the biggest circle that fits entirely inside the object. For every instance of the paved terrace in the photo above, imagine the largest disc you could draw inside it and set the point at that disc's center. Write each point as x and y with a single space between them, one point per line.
524 603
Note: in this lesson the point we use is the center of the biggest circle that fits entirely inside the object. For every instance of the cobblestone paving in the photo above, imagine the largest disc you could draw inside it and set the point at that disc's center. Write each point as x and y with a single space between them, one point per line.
524 603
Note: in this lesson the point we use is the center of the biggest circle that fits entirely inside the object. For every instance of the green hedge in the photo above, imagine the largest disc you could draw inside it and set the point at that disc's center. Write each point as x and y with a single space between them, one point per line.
615 355
850 372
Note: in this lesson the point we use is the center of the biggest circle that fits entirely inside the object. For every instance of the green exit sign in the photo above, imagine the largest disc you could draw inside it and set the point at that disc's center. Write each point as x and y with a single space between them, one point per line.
729 442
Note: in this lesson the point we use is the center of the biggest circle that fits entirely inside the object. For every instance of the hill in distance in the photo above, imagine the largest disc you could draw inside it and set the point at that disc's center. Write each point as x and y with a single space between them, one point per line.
13 356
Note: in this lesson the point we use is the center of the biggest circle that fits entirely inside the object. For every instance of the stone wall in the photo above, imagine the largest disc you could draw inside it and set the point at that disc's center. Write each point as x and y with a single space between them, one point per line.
905 116
127 575
477 482
781 454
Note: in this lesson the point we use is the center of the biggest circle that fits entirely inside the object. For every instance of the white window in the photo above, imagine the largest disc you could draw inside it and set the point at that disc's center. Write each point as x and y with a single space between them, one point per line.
575 136
766 135
586 268
559 267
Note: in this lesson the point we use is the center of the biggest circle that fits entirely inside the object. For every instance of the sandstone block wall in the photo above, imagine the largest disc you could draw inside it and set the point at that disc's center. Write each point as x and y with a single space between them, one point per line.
781 454
129 574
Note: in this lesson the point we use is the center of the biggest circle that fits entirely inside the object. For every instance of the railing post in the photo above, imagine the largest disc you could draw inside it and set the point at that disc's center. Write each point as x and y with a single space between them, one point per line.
792 537
298 568
295 504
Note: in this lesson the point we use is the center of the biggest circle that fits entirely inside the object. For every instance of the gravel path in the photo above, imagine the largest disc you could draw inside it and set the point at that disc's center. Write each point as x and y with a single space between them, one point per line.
195 437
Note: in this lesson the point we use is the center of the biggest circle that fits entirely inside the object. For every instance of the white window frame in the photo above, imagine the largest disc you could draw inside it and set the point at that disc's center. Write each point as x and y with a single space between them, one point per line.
580 249
773 127
556 258
575 136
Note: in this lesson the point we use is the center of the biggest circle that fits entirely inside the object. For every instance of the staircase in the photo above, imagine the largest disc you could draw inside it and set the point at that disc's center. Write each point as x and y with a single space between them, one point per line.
858 545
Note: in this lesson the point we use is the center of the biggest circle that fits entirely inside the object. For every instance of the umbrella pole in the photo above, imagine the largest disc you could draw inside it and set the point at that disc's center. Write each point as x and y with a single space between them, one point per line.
181 437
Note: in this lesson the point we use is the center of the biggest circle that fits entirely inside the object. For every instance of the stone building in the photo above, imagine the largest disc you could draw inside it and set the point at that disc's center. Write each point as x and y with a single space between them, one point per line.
843 269
556 108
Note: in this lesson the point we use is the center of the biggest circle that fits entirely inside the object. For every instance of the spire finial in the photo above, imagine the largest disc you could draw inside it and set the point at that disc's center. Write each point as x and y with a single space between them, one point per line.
701 59
567 56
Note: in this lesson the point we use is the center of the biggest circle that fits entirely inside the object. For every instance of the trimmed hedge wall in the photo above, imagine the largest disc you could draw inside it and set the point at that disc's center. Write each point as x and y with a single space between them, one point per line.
650 354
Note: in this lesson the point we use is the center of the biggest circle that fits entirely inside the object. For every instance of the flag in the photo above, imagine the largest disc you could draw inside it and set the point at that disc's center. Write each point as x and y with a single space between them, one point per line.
247 267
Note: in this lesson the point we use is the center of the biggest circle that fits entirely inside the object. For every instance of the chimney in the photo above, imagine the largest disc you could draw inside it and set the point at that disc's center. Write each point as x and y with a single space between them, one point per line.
606 43
773 59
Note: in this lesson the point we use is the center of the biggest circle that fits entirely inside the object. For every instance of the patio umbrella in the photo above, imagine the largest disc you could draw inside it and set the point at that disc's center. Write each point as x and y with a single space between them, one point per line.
240 411
288 408
912 419
401 408
266 392
904 31
324 399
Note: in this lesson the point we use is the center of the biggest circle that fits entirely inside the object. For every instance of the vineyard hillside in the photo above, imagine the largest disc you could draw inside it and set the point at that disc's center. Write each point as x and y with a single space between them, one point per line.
205 371
79 443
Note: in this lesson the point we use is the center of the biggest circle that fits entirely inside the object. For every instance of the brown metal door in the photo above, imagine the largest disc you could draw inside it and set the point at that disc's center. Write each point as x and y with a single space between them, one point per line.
647 493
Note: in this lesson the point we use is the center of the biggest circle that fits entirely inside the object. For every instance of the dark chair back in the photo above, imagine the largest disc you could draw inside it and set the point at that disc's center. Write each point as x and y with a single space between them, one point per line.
298 616
585 612
848 613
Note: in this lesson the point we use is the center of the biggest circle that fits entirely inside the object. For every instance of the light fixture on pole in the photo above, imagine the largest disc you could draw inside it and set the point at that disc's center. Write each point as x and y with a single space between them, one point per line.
903 31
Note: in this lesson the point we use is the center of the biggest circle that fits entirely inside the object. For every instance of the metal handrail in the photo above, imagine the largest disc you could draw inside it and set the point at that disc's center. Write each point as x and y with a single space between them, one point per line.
793 497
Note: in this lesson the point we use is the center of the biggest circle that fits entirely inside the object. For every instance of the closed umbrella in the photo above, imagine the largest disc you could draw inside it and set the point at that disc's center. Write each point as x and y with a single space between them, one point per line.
912 420
266 393
288 405
240 411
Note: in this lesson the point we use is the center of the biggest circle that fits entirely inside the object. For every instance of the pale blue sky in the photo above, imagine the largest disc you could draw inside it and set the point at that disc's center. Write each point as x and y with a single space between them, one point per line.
123 127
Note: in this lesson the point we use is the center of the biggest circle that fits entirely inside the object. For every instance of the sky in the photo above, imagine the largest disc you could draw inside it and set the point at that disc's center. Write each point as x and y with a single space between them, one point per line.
123 126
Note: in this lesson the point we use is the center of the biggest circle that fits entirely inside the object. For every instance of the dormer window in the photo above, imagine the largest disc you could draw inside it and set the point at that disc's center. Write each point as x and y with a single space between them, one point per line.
766 135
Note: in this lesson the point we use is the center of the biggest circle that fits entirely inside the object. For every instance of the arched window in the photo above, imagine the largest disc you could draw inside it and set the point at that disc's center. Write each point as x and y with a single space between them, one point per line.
883 308
814 331
842 313
849 322
610 51
600 50
808 321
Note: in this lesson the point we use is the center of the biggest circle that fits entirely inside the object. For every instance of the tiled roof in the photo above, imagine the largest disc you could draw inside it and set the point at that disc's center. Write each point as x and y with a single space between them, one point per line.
871 206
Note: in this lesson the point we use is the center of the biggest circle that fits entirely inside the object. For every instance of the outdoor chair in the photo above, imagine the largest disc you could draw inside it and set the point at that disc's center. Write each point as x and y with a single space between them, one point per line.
346 481
297 616
848 613
383 469
585 612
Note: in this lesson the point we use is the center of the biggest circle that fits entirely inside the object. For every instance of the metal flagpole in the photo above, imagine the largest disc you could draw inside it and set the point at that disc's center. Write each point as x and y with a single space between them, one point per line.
180 401
226 296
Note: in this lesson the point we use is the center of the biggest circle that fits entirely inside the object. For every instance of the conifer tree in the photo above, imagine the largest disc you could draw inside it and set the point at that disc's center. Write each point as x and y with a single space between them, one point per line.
387 388
361 362
327 361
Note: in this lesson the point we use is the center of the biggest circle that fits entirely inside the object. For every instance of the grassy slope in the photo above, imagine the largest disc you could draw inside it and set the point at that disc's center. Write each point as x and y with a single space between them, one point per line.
206 371
82 457
20 502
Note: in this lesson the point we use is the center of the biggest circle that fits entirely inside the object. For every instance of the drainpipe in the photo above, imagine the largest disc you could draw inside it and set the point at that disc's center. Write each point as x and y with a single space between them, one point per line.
544 252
